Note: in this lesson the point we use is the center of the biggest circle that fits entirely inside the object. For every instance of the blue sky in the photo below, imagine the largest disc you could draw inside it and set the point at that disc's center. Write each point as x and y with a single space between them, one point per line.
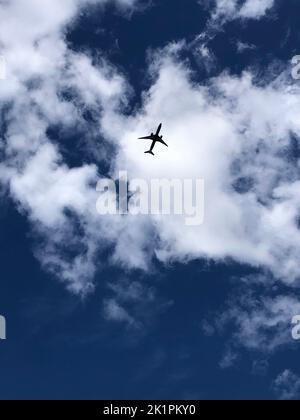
146 308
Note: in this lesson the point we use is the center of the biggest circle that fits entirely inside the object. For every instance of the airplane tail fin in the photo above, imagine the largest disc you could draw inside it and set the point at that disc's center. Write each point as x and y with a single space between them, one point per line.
150 152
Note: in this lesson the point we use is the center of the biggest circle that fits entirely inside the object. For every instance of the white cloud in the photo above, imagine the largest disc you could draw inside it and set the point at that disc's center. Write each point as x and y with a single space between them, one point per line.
226 131
287 386
207 328
224 11
255 9
257 317
113 311
242 46
248 9
46 187
234 132
230 134
259 322
229 359
40 68
134 303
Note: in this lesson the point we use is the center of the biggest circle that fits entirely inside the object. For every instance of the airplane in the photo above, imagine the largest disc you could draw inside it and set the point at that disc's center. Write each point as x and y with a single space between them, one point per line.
155 138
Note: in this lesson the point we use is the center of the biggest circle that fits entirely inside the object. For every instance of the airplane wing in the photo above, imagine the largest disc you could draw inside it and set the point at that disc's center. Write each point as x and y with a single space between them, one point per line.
161 141
146 138
158 129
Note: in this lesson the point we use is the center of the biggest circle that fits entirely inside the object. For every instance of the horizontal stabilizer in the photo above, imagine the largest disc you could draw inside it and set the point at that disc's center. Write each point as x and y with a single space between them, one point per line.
150 152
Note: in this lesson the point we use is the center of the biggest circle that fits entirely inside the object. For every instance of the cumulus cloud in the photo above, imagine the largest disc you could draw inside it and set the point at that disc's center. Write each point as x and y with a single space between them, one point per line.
233 137
287 386
48 85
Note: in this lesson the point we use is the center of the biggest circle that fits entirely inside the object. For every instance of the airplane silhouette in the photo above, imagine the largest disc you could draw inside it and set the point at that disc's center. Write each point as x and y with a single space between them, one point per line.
155 138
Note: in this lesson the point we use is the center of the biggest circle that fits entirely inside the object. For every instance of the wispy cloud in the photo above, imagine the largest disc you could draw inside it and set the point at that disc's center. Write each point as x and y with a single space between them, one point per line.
113 311
287 386
134 303
229 359
258 317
